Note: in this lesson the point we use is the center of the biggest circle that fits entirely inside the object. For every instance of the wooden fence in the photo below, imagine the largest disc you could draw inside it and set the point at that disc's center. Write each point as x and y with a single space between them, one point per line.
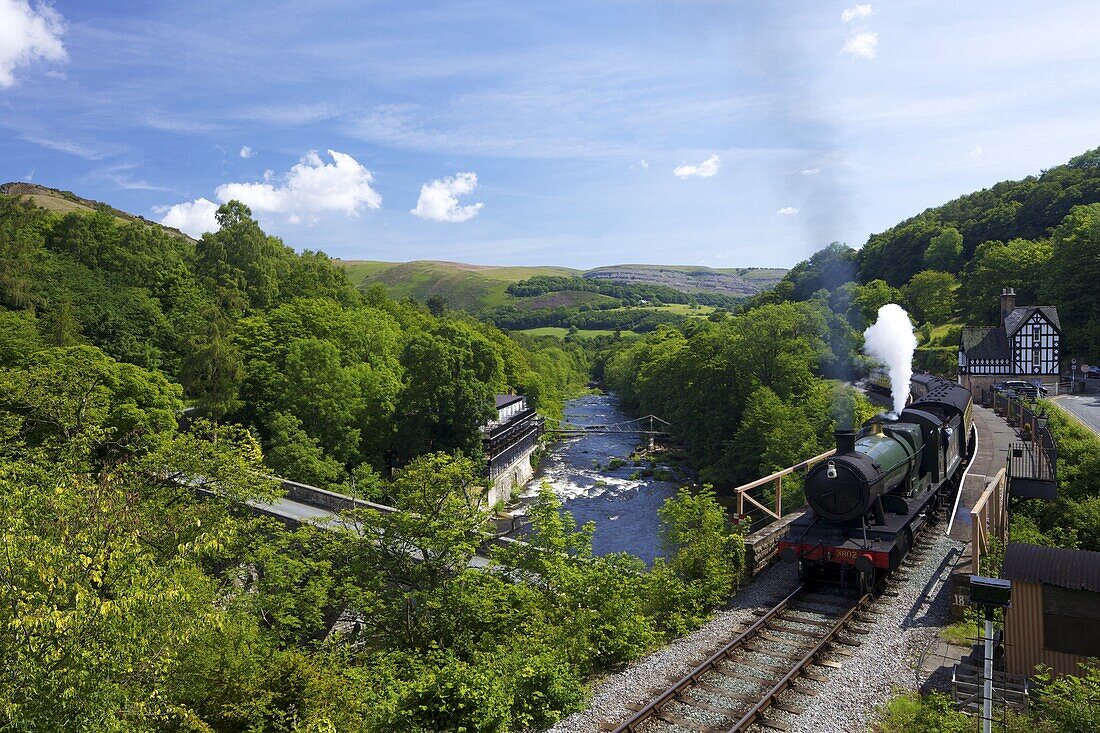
988 519
760 504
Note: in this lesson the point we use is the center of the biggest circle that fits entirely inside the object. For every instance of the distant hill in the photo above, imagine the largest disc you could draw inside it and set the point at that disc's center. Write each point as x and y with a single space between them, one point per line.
475 288
481 287
64 202
729 281
465 287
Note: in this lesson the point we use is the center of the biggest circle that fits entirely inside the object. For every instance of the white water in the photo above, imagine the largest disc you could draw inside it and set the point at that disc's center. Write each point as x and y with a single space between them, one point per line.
891 340
624 509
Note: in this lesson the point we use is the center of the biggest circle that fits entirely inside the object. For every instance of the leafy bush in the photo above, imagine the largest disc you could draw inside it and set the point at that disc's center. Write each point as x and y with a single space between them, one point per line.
911 713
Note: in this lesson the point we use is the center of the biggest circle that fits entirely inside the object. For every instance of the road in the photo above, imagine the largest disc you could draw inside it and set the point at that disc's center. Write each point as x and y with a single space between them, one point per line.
1084 406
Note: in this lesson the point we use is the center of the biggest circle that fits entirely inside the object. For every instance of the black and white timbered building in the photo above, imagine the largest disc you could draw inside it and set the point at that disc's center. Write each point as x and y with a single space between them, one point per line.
1026 345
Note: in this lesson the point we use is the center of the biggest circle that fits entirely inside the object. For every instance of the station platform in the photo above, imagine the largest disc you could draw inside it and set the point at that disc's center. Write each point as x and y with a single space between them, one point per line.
994 438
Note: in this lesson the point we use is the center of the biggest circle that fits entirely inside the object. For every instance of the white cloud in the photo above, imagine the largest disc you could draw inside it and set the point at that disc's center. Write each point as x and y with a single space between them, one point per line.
439 199
310 188
26 35
863 44
29 176
247 152
293 114
706 169
856 12
804 172
70 147
190 217
181 125
976 151
787 211
645 164
119 174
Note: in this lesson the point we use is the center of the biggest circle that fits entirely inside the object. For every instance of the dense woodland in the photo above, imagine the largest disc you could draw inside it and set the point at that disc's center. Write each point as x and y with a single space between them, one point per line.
128 601
333 381
1039 235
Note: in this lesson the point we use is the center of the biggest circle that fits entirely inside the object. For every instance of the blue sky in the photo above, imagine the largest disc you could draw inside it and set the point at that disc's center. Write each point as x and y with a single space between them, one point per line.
569 133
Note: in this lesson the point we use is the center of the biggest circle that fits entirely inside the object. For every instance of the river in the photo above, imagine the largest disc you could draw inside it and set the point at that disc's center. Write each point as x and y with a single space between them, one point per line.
624 509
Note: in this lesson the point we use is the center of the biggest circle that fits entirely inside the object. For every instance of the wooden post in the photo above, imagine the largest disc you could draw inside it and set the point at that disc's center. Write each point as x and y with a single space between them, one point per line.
740 504
779 496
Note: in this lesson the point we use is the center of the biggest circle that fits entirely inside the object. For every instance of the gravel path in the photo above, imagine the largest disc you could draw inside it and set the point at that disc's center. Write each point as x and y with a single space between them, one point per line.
665 666
886 660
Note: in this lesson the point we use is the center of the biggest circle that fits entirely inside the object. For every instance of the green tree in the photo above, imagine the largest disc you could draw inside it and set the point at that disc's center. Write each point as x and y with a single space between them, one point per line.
451 375
293 454
1020 264
18 337
323 395
930 296
60 325
101 581
64 393
703 553
873 296
944 251
213 369
1072 275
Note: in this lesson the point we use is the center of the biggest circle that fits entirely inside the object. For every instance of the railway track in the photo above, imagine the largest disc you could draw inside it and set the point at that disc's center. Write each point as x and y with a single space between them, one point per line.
799 638
733 687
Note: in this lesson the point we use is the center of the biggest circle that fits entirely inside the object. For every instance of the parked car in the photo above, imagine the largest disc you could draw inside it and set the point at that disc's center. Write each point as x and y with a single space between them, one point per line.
1021 389
1093 372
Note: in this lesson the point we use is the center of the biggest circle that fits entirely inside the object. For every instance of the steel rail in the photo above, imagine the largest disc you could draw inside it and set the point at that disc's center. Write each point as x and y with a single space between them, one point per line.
788 679
672 693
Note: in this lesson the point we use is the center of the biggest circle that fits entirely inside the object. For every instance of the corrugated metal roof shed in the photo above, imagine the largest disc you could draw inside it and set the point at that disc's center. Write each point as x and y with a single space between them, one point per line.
1074 569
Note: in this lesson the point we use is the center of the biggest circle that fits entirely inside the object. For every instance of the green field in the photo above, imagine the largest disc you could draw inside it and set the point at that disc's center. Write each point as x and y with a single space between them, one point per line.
682 309
561 333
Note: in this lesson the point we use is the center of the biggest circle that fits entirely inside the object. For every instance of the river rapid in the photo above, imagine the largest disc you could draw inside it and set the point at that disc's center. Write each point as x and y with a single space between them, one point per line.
624 509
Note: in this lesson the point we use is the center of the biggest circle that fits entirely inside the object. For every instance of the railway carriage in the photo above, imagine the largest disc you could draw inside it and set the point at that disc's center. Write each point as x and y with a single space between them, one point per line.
875 495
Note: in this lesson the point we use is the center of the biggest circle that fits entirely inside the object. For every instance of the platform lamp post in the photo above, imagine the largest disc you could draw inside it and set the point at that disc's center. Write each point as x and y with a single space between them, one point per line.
989 594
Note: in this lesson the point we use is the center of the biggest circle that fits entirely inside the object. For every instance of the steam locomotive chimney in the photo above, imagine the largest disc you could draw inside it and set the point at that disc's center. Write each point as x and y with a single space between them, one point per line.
1008 302
845 441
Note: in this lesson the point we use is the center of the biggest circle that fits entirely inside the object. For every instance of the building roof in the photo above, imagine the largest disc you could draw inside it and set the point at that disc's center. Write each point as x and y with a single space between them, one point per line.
1074 569
1019 316
503 400
985 342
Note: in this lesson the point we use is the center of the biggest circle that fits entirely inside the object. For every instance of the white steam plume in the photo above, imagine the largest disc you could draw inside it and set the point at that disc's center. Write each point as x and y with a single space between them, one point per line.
891 341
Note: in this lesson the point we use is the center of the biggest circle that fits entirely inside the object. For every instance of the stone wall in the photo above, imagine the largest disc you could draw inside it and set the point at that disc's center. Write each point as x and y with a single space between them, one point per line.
514 477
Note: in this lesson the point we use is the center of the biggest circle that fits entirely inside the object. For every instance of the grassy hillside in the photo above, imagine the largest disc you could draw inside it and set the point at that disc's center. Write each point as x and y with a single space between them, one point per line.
466 287
65 202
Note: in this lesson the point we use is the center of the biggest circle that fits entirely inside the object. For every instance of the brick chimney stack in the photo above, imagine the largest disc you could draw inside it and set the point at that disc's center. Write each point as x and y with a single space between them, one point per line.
1008 302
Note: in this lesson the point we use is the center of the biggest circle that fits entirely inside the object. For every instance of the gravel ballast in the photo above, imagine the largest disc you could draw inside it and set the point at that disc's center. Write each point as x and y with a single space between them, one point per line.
888 657
885 661
664 666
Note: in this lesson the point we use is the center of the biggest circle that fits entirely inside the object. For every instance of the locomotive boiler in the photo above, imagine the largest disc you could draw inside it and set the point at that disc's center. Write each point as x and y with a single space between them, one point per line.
876 494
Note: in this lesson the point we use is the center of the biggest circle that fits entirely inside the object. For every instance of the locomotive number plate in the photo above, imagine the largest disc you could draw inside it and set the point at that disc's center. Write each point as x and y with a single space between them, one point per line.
846 554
